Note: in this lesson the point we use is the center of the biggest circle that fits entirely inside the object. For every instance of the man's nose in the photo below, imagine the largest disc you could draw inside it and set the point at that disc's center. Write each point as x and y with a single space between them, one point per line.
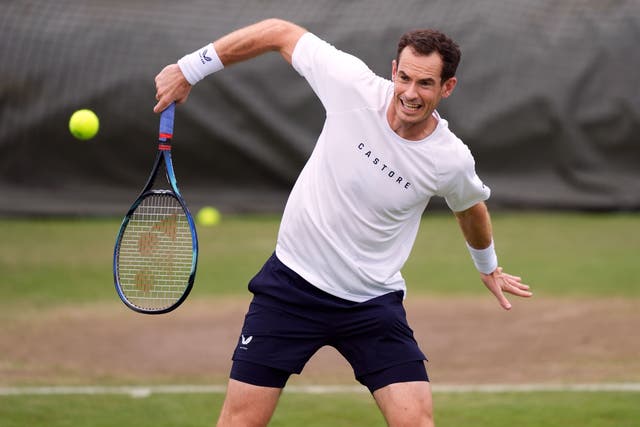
411 91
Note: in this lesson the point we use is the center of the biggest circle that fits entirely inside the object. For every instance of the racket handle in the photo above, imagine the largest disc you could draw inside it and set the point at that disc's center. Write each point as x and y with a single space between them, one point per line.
166 122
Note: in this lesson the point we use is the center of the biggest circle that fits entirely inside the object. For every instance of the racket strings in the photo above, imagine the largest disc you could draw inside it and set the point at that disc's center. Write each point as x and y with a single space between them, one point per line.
155 260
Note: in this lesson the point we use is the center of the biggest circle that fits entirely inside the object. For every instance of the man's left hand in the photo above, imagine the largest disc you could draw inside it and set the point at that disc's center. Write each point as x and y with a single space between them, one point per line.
500 282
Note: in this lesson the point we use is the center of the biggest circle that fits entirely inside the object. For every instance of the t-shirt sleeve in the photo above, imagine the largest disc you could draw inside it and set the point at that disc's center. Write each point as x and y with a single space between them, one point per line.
462 186
341 81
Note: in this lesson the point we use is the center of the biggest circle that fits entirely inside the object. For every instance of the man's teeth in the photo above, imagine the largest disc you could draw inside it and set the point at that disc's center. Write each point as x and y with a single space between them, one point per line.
411 106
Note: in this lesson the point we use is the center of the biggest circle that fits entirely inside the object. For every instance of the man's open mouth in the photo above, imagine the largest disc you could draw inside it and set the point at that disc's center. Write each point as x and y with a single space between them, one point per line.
409 105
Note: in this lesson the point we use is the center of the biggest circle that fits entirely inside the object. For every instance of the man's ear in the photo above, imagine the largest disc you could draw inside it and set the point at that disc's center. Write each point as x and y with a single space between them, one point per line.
394 69
448 86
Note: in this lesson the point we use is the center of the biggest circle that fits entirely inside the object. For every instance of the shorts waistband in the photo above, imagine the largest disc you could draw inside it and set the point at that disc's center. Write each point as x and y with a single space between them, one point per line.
277 281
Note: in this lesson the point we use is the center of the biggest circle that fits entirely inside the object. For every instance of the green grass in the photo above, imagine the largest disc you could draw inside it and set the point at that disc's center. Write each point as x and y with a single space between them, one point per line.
558 254
49 262
60 261
554 409
46 263
550 409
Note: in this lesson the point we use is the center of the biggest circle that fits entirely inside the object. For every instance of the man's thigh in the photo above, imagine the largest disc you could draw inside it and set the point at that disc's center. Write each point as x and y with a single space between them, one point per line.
247 405
406 404
376 339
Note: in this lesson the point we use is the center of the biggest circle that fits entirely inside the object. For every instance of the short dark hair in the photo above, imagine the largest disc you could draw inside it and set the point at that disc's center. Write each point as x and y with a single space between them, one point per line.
425 42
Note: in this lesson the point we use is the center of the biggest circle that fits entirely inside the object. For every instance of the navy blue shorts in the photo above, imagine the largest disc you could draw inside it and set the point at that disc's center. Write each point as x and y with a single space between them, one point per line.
289 320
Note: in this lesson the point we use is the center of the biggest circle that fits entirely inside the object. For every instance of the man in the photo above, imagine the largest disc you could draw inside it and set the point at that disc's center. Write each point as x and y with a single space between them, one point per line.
351 219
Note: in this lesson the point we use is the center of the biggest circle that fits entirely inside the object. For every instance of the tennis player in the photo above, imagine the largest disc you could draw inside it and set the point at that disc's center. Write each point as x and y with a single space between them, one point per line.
351 219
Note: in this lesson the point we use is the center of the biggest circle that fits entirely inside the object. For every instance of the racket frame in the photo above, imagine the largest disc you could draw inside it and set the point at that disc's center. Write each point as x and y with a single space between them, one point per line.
163 156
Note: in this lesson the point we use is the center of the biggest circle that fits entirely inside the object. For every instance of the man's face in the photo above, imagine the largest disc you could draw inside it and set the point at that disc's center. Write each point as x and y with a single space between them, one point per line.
417 86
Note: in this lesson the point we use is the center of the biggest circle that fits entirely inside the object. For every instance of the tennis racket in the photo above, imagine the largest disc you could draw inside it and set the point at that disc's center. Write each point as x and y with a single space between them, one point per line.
156 251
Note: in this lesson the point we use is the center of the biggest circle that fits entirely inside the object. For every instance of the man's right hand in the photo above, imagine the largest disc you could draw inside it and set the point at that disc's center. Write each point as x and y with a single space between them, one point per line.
170 86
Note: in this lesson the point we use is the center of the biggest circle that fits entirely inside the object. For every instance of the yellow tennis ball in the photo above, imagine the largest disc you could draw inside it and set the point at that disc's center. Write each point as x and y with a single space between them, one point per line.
84 124
208 216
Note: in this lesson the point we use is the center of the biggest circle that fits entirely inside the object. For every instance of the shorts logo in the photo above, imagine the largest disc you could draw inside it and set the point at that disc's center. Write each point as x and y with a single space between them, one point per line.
245 342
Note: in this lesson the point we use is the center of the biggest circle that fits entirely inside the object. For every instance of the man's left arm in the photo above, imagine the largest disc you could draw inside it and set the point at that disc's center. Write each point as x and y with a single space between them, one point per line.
475 224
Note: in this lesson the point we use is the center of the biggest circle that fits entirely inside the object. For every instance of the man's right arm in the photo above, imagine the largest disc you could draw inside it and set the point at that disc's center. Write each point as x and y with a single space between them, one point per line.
249 42
240 45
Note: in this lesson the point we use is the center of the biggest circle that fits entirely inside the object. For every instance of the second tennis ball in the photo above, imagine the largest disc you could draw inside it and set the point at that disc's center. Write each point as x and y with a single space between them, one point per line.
208 216
84 124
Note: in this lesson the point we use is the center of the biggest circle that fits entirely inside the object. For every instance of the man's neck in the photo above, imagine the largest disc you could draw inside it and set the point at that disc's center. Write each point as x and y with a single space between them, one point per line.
411 131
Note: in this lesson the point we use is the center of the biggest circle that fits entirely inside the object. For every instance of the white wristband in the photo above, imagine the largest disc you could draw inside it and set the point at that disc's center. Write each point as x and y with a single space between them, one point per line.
199 64
485 260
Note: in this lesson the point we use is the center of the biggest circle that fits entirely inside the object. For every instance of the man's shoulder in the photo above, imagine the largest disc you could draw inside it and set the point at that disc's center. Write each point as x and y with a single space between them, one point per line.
342 81
453 148
446 137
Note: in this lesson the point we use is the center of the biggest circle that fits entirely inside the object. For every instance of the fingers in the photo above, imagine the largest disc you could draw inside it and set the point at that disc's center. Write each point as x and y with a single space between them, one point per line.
160 106
493 283
521 291
504 302
163 103
161 92
170 86
514 286
518 278
499 282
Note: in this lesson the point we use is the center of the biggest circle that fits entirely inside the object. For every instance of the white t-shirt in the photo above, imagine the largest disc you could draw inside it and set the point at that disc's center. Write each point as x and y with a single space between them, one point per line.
353 215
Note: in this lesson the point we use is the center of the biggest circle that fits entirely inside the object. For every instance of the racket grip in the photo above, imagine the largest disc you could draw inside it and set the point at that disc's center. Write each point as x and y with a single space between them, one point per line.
166 122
